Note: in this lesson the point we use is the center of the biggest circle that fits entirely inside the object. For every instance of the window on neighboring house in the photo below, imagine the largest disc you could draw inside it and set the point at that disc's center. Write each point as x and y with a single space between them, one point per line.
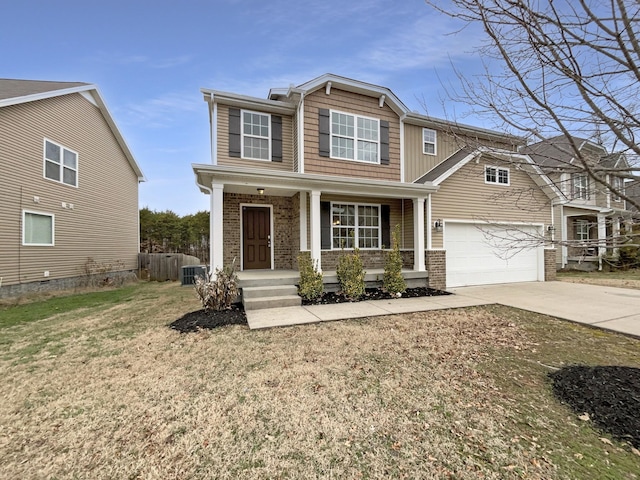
60 163
355 138
580 186
616 183
496 175
355 223
37 228
582 230
429 141
255 135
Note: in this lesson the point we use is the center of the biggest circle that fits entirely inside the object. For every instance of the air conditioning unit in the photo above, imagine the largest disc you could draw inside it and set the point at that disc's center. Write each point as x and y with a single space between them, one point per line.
188 273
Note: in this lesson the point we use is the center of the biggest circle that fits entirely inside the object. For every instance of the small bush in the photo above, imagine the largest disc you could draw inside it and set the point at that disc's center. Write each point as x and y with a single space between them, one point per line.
351 274
311 285
218 291
393 281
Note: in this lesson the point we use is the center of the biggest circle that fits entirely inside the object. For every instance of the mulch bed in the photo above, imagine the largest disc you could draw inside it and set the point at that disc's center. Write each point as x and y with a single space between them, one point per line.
194 321
373 294
610 395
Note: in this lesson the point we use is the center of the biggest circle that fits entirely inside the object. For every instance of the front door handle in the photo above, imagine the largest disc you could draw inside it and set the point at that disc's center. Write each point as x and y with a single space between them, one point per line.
269 241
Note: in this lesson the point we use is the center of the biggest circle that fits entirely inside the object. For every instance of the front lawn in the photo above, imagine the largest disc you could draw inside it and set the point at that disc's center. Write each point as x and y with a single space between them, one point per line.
620 278
110 391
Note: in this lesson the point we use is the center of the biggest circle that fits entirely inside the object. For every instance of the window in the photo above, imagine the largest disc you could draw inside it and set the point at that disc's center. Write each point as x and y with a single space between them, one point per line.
60 163
580 186
255 135
496 175
582 230
355 138
37 228
355 224
428 141
616 183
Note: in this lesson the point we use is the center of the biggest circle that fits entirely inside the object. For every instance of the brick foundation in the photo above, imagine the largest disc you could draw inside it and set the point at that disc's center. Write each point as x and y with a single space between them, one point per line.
436 263
370 258
549 264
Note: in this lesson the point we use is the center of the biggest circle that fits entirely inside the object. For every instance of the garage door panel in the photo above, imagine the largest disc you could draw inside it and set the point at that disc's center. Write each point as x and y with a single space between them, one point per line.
474 256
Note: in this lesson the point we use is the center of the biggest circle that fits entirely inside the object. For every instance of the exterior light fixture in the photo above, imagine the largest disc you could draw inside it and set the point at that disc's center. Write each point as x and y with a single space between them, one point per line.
437 225
260 191
551 229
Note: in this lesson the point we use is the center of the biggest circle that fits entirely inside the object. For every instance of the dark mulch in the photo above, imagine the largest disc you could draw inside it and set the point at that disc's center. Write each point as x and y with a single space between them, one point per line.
609 394
194 321
373 294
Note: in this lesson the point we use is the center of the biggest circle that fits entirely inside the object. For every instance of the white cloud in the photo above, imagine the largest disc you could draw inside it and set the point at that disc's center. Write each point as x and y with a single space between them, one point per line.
163 110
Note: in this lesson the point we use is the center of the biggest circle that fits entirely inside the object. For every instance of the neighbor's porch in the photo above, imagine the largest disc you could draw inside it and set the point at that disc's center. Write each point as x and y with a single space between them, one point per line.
588 237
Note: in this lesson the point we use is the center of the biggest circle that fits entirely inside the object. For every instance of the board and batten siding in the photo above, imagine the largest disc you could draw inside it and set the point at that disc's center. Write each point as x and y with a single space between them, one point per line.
103 223
417 163
223 145
466 196
354 104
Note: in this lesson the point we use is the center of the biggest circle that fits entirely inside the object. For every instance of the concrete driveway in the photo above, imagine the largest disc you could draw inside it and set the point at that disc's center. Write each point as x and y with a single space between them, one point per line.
612 308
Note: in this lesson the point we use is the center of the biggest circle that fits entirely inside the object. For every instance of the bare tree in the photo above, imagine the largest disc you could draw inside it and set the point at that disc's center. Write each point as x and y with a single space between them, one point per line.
565 73
568 68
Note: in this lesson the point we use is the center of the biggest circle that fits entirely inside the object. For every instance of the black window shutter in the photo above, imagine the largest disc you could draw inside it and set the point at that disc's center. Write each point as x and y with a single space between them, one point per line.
384 142
324 132
276 138
234 132
325 225
386 225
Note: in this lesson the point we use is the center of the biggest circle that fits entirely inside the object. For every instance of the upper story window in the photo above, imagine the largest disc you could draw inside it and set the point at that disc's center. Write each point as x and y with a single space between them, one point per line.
496 175
355 224
60 163
580 186
429 141
37 228
355 138
256 135
616 183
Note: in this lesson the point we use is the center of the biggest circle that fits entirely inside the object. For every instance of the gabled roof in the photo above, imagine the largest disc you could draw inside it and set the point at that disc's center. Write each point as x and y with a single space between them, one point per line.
558 152
15 92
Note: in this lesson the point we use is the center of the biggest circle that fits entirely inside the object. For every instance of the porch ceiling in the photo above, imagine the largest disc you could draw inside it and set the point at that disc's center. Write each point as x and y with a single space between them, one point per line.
245 180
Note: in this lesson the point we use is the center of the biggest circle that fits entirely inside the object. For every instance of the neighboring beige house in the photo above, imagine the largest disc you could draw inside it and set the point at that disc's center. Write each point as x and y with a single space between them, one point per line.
336 161
68 187
589 218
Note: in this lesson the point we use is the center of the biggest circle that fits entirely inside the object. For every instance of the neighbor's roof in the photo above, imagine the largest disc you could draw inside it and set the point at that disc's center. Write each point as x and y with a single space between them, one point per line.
14 92
557 151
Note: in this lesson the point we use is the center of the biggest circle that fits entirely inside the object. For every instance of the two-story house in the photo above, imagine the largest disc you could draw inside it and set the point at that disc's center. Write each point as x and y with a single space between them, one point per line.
589 217
335 163
68 187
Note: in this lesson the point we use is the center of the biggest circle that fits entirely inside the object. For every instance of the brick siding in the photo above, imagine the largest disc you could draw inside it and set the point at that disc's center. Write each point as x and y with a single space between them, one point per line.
549 264
436 262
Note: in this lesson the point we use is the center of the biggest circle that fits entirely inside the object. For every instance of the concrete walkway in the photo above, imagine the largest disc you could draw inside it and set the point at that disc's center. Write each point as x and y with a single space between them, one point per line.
610 308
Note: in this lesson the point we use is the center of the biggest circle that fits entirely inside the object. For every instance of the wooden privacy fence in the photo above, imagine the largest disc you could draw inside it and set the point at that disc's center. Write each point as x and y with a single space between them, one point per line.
164 266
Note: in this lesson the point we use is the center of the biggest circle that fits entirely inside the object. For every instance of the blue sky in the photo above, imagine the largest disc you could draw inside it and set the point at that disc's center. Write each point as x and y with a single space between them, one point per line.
150 59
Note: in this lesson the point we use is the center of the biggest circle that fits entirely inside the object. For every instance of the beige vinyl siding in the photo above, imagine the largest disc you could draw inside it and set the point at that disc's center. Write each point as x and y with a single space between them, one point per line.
103 223
417 163
356 104
466 196
223 145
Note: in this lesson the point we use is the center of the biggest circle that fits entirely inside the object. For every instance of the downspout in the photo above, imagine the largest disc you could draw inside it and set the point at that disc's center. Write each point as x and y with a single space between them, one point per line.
213 121
301 134
402 147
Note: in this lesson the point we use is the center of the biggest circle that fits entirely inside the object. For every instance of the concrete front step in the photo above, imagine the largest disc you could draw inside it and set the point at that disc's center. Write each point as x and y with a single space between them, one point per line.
272 302
268 291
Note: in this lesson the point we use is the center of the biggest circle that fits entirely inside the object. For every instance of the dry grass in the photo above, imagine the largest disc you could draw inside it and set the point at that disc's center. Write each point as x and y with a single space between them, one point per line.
115 394
623 279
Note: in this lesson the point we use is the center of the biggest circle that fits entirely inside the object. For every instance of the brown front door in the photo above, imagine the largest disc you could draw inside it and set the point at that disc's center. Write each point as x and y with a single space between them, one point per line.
256 237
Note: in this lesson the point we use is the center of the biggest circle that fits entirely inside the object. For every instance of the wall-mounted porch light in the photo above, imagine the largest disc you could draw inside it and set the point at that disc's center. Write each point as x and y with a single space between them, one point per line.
437 225
551 229
260 191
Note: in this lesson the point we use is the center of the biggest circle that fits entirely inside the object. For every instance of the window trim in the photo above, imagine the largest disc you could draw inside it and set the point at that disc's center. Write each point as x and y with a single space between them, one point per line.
579 225
24 226
434 143
243 135
354 138
497 175
45 160
587 193
357 227
620 187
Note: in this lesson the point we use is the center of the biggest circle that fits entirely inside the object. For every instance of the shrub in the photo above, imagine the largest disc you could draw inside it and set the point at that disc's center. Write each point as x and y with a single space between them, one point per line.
311 285
393 281
351 274
218 291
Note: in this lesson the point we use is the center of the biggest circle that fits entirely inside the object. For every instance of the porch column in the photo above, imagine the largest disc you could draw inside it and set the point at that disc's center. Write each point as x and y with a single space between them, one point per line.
418 234
303 221
429 224
563 232
602 235
315 228
216 253
616 236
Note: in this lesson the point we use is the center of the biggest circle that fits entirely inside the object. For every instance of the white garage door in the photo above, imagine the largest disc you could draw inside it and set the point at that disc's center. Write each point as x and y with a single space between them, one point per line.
478 255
